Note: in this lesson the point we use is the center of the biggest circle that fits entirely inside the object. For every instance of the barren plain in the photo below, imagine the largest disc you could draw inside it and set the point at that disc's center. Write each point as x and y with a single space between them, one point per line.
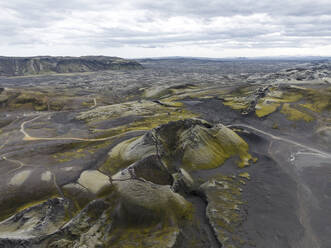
177 153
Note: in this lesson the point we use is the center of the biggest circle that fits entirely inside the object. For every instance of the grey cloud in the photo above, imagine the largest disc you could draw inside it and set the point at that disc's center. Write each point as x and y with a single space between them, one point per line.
238 7
281 24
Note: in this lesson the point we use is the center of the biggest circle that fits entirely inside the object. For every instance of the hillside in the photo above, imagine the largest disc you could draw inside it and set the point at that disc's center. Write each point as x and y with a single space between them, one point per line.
22 66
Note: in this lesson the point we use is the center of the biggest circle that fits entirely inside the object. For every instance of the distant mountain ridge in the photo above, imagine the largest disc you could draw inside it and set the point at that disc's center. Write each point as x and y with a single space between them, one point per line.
224 59
22 66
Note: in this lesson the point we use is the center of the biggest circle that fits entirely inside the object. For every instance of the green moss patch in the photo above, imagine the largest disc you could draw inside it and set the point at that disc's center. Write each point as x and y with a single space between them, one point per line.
119 157
211 147
223 209
266 108
236 103
294 115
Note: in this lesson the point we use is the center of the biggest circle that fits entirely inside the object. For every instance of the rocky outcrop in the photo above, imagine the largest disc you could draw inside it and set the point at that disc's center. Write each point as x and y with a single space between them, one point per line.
224 211
191 144
147 202
34 223
21 66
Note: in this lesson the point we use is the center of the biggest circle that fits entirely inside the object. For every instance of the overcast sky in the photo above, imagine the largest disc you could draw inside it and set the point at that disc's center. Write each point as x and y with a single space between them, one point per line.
153 28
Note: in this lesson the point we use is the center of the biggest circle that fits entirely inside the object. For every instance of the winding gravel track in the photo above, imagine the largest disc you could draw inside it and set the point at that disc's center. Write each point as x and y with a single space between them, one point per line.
28 137
31 138
319 152
94 102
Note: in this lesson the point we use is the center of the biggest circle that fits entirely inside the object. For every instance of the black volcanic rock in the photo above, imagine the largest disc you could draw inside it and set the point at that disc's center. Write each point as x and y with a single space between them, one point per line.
20 66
